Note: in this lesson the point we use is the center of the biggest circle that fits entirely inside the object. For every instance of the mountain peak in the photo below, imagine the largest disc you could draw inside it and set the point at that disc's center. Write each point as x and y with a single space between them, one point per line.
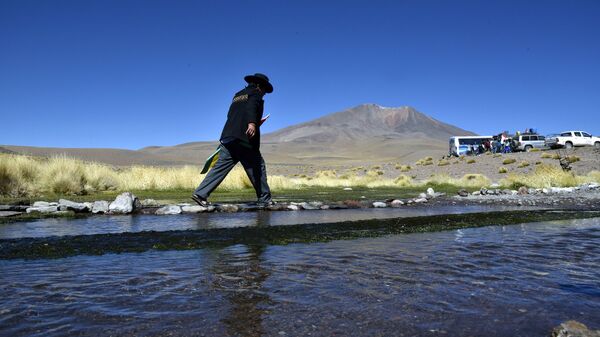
367 121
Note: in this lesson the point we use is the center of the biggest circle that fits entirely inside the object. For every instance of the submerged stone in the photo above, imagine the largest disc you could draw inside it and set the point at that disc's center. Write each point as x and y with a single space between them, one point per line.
44 204
42 209
195 209
168 210
574 329
68 205
227 208
5 214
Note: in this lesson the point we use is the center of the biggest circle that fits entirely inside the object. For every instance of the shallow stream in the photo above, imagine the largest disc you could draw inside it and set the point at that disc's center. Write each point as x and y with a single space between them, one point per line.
514 280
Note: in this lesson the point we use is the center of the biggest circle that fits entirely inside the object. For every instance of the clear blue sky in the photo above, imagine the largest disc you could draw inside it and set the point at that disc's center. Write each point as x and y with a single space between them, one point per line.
129 74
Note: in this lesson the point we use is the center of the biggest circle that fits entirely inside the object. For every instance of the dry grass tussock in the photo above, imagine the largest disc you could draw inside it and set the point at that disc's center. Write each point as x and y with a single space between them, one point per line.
28 176
549 176
468 180
425 161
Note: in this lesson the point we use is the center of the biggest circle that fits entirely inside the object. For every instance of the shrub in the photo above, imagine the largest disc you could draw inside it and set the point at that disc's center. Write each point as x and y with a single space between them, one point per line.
502 170
443 163
471 161
496 155
509 161
572 159
546 155
425 161
64 175
403 168
538 162
403 181
523 164
544 176
468 180
535 149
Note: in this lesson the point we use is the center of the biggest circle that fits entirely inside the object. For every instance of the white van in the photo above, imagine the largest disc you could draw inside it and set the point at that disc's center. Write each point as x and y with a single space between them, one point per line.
459 145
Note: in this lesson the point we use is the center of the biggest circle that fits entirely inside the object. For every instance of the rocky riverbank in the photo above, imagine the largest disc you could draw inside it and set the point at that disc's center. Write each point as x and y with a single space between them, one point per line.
586 196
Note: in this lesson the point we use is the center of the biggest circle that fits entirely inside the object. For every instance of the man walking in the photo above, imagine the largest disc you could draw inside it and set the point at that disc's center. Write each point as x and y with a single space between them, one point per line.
240 142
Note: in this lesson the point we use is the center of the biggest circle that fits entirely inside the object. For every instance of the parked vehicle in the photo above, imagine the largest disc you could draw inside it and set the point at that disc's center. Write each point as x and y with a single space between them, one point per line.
570 139
528 141
459 145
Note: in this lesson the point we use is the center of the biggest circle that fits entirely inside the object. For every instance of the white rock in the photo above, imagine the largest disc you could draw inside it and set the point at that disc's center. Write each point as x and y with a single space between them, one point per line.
68 205
325 207
42 209
293 207
476 193
423 195
397 202
100 206
379 204
44 204
309 206
494 185
420 200
169 210
125 203
431 192
545 191
193 209
561 189
347 188
514 192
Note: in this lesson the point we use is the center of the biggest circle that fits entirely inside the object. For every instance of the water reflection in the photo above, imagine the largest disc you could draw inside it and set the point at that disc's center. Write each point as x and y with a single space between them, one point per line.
238 273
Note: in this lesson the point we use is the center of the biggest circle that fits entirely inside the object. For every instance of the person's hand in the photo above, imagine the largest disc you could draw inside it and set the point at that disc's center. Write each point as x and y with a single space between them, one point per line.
251 130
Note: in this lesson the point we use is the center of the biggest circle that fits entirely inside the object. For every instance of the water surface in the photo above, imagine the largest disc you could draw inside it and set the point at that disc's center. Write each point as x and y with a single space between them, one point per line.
103 224
518 280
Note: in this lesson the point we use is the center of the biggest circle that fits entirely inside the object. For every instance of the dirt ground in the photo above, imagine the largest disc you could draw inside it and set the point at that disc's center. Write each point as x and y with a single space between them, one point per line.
486 164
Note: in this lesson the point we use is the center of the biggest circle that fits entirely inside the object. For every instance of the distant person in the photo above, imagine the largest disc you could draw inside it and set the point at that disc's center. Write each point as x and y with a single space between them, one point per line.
240 142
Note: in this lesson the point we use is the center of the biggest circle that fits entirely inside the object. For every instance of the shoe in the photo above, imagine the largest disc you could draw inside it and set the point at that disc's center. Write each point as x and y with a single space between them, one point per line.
265 204
200 201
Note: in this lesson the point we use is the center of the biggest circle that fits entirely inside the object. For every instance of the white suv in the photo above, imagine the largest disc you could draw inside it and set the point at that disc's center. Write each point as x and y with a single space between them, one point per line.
569 139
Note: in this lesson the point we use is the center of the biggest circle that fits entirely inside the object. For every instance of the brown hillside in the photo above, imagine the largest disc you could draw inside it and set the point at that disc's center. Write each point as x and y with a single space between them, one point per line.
365 133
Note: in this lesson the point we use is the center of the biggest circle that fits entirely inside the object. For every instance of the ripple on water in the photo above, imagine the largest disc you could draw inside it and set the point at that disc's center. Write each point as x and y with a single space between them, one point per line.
493 281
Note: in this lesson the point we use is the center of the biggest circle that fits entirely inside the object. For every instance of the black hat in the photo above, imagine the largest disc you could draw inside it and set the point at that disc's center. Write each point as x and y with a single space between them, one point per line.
260 79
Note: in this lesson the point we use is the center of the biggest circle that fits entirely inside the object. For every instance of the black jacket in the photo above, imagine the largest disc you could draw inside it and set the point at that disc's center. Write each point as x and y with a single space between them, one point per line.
246 107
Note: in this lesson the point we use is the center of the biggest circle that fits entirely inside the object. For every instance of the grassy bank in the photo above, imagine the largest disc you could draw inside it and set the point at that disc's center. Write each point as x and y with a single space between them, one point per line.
24 178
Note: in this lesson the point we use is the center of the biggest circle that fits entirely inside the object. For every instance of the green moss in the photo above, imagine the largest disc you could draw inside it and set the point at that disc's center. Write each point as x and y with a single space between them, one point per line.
58 247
